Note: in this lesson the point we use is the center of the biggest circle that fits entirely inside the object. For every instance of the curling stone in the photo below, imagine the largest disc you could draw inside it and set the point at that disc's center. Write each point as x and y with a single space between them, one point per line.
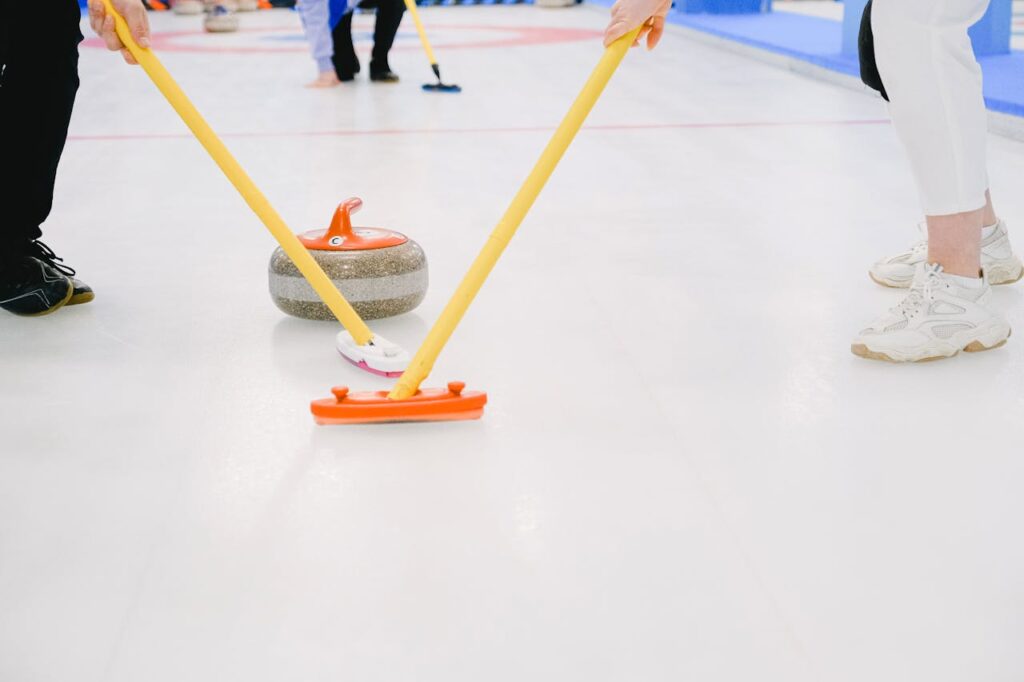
381 273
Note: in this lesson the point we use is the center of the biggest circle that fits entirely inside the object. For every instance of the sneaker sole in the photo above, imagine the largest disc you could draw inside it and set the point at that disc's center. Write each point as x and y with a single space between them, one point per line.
1007 272
862 351
889 283
81 298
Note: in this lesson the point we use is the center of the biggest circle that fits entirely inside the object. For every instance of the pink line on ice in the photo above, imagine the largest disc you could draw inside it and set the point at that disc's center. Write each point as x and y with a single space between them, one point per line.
516 36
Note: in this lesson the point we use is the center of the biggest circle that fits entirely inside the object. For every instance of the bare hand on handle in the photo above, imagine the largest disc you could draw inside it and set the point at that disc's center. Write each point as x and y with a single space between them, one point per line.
628 14
134 14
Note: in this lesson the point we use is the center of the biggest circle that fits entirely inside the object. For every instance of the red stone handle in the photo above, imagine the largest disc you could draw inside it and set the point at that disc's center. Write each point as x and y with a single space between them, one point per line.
341 225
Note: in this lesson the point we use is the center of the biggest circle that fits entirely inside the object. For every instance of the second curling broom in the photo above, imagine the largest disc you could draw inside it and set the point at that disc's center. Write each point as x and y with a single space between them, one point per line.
439 86
407 401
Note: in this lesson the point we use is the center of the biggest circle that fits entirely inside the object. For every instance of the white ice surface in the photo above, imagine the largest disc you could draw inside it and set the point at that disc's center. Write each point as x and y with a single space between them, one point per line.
683 474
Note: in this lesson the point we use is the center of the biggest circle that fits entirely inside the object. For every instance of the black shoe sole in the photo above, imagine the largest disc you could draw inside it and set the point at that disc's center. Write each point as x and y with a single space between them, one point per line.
79 299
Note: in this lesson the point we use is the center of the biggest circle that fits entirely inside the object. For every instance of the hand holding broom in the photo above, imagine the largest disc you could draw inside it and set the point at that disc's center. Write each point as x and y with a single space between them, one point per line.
628 14
134 13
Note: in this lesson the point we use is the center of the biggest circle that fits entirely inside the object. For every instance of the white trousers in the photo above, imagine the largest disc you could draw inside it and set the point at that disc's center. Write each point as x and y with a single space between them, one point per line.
928 67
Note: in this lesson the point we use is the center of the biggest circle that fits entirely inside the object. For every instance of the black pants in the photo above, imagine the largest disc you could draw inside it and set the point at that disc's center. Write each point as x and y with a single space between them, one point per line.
38 81
389 16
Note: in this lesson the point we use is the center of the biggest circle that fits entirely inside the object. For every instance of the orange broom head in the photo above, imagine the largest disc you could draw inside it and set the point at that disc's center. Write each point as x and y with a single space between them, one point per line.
428 405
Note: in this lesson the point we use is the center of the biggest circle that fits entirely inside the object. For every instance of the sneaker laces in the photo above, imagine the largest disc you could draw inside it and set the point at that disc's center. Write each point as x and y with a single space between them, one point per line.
38 249
920 290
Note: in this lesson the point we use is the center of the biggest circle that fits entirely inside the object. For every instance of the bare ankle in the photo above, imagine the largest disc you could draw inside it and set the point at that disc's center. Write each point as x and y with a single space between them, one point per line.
954 242
989 218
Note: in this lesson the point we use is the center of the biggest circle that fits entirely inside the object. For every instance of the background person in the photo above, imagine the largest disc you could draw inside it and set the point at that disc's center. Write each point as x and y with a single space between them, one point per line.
346 63
934 83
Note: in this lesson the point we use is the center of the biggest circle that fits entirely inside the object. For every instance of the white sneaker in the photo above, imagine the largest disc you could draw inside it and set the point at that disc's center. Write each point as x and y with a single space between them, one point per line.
939 318
997 260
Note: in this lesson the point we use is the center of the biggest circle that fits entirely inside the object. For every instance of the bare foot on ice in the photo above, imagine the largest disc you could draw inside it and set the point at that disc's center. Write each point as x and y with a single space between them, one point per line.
327 79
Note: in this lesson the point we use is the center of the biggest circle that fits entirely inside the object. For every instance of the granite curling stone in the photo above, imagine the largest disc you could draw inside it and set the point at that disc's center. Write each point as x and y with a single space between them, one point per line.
381 273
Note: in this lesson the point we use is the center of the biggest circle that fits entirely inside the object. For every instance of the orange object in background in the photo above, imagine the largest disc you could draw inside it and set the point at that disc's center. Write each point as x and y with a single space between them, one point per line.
429 404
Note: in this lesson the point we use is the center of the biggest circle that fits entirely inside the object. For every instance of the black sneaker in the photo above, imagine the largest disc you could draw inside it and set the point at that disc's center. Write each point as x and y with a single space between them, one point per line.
83 292
384 76
31 287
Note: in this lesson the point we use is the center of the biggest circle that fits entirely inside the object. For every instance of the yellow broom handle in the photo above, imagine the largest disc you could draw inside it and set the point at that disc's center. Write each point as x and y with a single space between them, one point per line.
423 362
411 6
309 268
